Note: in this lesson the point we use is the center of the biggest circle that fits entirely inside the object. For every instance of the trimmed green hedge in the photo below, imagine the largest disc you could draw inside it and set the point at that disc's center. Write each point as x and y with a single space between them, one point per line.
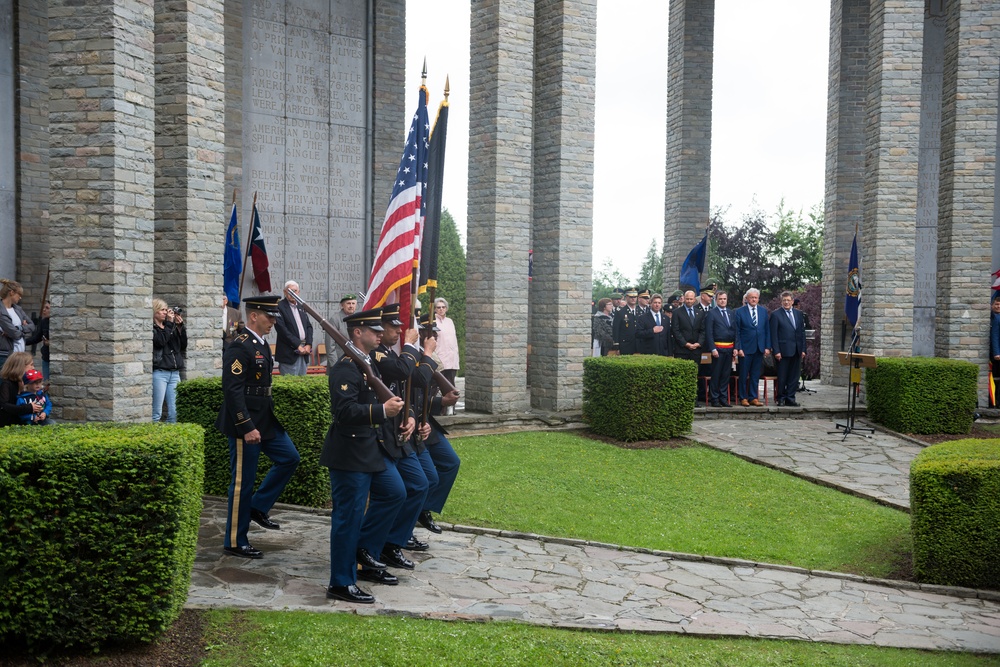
639 397
922 394
302 405
98 532
955 500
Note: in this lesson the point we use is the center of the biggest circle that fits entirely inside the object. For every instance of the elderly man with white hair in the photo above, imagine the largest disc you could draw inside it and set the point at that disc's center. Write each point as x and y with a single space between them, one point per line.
295 335
753 341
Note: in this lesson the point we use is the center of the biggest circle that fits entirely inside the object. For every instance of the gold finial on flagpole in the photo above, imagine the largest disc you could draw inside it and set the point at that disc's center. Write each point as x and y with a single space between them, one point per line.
423 74
447 86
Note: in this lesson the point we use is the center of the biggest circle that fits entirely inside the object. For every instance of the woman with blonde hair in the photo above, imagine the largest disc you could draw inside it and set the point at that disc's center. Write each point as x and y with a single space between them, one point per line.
10 386
15 326
169 341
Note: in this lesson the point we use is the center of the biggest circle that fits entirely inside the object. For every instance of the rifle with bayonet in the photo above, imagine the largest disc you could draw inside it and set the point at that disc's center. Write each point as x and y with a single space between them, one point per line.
360 359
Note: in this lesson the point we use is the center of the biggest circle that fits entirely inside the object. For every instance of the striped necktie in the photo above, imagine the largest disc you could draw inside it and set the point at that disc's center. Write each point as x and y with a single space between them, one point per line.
753 316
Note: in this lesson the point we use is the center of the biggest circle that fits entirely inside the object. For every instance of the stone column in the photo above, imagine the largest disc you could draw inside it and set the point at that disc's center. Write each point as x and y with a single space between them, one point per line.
32 150
845 161
191 202
925 293
562 231
967 210
892 134
499 214
689 131
8 188
101 228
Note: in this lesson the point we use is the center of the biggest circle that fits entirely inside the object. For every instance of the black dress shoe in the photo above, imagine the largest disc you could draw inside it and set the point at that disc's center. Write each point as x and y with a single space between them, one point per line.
715 404
779 402
791 403
365 559
413 544
393 557
377 576
427 521
244 552
263 520
349 594
727 404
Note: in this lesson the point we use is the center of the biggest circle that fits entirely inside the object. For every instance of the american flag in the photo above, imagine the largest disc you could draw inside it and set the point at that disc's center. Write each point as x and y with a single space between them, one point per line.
398 252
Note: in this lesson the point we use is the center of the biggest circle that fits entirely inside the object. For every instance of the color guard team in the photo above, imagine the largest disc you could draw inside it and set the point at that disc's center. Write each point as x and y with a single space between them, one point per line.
389 468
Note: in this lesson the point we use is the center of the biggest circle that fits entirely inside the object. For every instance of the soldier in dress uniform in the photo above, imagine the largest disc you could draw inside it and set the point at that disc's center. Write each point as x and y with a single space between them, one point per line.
377 535
643 305
352 453
431 444
247 419
624 327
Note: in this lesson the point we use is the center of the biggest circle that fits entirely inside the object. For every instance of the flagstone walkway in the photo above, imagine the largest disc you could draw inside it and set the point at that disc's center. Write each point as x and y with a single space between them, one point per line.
472 573
877 468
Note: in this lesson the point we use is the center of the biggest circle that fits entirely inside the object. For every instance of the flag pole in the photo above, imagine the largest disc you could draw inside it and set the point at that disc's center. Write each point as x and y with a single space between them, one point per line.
243 273
415 271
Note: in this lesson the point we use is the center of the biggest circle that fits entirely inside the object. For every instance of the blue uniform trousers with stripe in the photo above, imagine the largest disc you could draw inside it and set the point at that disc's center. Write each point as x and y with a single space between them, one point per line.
243 458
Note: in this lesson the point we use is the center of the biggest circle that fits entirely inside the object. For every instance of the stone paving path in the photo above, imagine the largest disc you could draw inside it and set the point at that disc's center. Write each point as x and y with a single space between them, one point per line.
475 574
876 467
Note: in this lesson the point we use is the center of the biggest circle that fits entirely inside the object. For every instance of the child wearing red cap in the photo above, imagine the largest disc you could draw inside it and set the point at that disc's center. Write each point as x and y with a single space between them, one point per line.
34 392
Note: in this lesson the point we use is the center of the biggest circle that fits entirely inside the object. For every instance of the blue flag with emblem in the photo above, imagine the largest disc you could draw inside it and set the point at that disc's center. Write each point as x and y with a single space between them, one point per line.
232 263
852 304
694 265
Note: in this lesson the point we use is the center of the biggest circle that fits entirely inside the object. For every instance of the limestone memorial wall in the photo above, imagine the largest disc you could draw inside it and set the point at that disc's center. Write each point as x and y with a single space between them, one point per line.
305 142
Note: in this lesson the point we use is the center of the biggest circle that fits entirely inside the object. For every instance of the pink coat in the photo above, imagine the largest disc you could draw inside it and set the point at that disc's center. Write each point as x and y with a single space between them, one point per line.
447 347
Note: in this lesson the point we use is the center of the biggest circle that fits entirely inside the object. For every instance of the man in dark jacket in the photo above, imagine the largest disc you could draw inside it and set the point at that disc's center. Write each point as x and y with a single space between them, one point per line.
295 333
720 342
653 329
247 419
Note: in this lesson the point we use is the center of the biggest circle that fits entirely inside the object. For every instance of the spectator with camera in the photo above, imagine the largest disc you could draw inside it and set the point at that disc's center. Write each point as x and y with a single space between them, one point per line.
15 326
169 344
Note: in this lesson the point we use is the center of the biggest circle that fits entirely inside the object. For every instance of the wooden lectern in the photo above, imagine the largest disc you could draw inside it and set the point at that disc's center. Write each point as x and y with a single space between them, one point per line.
855 361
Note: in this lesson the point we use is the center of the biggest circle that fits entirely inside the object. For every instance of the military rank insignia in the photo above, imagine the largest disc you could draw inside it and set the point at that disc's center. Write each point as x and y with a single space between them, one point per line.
236 368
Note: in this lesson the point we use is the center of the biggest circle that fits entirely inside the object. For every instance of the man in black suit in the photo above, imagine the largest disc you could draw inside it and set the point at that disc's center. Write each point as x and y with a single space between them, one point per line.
653 330
788 338
295 333
688 330
624 328
247 419
720 339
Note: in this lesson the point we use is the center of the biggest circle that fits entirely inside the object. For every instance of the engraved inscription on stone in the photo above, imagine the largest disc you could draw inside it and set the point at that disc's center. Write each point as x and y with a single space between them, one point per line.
305 122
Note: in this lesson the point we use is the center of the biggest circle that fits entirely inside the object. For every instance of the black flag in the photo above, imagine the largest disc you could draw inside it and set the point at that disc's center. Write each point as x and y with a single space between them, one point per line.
435 183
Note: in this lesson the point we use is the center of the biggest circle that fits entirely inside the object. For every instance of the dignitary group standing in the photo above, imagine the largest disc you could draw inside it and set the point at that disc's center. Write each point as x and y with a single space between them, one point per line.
704 329
390 467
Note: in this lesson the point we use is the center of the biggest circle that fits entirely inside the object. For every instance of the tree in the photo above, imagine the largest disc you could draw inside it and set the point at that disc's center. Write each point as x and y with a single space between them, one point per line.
798 246
739 256
607 281
752 255
451 280
651 273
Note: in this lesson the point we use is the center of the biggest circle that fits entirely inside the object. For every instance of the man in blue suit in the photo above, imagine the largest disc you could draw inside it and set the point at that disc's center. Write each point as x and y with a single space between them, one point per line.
753 341
653 329
788 335
720 336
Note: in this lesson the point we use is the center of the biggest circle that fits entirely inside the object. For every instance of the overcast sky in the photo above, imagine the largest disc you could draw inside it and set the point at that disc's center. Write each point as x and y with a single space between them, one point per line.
768 116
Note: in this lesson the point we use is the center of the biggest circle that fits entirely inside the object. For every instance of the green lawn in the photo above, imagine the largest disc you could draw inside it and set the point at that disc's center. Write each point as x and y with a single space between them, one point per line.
308 639
690 499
